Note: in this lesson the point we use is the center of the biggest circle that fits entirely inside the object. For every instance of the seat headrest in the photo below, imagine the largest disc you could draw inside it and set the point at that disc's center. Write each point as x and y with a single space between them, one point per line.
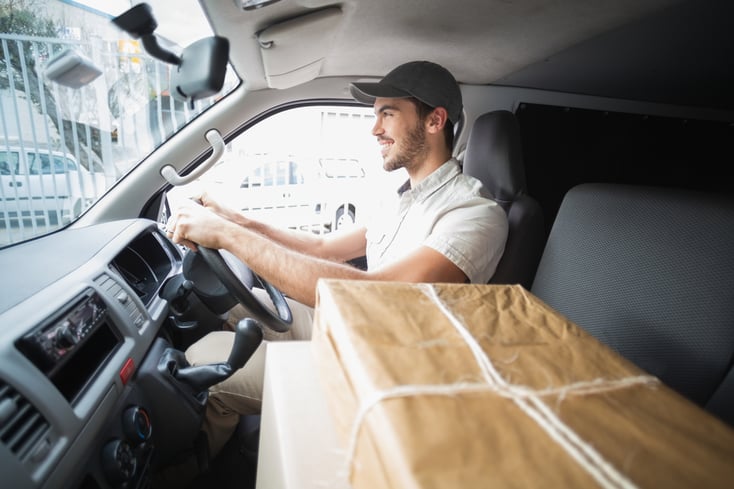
494 155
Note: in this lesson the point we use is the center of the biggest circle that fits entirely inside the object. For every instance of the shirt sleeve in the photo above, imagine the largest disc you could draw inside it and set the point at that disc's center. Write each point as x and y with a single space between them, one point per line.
472 235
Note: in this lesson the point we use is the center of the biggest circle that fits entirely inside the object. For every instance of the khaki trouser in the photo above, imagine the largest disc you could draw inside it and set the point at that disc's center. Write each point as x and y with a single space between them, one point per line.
241 393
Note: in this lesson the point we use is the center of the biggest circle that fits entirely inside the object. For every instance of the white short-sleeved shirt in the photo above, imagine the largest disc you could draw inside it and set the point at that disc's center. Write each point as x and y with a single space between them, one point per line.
448 211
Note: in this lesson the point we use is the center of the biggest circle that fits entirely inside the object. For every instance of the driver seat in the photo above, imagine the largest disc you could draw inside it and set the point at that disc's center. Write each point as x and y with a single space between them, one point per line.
494 156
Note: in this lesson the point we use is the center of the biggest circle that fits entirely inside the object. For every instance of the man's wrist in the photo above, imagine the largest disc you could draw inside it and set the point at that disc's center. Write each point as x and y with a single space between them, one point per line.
230 234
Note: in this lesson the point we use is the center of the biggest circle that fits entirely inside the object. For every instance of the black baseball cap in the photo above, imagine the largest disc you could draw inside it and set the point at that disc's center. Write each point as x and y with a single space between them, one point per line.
428 82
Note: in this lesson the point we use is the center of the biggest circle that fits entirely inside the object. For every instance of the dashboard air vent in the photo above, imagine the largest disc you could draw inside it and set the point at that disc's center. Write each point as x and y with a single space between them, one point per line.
22 427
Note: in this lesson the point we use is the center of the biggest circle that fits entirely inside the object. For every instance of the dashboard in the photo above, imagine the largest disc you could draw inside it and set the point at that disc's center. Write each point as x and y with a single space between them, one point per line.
83 399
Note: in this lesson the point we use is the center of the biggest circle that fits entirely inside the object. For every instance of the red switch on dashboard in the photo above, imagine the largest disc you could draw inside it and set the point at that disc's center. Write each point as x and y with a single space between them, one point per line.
127 370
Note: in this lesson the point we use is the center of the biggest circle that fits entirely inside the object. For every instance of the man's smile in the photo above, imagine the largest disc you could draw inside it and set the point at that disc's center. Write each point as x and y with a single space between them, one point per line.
385 145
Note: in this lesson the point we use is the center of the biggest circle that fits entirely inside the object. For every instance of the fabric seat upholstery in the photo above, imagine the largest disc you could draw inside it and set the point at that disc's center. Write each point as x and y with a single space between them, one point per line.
494 156
650 273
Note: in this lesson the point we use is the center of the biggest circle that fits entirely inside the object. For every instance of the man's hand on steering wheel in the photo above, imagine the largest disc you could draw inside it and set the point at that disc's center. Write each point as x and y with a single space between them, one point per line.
198 228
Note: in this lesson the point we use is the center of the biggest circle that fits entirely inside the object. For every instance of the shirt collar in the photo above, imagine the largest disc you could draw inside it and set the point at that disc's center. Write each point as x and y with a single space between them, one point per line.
432 182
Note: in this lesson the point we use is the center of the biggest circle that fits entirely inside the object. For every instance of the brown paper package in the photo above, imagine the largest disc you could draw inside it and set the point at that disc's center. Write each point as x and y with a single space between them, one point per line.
476 386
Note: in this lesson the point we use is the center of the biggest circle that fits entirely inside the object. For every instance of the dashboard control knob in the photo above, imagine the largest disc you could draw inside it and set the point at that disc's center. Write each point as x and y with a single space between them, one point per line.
136 424
65 336
118 462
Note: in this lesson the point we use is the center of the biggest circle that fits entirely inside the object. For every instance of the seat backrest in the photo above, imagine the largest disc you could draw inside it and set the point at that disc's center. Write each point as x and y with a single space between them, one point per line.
494 156
650 273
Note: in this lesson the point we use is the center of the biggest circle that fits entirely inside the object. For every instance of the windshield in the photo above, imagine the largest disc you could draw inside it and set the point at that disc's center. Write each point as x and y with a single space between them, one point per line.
62 147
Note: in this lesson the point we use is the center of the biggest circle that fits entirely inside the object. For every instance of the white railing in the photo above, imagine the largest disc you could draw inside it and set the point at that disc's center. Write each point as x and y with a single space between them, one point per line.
103 129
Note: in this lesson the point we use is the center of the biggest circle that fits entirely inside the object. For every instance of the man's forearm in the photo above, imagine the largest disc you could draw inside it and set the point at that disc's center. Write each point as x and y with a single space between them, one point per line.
291 271
302 242
338 246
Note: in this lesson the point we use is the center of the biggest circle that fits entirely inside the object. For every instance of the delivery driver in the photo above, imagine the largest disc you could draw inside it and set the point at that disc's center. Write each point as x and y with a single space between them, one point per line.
445 228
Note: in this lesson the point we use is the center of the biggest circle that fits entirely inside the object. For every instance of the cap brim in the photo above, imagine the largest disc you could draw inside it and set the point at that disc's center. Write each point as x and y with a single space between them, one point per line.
366 93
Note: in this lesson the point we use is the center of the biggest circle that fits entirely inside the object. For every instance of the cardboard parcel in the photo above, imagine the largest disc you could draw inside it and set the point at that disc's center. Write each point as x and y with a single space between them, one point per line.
448 386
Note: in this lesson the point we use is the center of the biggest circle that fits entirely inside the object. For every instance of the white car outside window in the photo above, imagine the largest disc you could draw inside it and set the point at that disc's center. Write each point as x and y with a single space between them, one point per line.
44 187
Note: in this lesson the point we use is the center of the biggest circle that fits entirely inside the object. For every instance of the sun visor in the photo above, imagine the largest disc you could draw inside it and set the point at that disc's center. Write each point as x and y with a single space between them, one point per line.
293 51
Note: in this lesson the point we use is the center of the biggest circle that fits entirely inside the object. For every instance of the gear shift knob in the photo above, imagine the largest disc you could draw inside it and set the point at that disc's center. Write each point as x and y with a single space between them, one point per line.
248 336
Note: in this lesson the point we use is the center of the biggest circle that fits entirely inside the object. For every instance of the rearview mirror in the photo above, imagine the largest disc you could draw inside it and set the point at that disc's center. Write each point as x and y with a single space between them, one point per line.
201 67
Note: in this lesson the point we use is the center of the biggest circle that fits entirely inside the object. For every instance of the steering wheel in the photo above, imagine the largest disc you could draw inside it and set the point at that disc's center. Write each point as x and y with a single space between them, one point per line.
240 289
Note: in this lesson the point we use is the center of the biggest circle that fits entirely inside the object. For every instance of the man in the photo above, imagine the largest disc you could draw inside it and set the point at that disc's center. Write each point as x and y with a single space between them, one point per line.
445 229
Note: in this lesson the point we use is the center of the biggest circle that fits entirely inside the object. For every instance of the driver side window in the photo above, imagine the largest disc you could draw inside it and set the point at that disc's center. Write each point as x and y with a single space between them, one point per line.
315 168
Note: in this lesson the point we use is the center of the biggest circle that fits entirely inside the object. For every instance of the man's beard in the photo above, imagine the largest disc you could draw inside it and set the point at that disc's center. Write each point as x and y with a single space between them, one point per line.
409 151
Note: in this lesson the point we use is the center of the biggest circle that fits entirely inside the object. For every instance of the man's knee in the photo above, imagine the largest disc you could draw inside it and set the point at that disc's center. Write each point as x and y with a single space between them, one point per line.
212 348
302 318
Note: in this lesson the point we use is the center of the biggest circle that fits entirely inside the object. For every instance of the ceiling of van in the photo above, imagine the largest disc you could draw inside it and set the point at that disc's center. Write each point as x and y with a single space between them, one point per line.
670 51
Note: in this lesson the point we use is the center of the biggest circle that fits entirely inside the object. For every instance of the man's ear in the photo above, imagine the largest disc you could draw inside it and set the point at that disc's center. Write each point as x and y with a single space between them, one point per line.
436 120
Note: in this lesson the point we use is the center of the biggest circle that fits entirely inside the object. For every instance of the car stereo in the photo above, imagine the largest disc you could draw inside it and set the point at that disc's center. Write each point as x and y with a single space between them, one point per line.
70 346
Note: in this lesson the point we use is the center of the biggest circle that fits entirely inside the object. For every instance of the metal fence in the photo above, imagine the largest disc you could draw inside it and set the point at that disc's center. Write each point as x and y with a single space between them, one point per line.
61 148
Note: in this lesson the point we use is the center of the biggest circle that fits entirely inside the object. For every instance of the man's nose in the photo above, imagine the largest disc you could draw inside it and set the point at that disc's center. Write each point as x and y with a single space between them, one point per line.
377 128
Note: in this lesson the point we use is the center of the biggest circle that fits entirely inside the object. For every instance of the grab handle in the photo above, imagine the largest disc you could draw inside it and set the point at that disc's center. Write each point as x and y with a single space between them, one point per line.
215 139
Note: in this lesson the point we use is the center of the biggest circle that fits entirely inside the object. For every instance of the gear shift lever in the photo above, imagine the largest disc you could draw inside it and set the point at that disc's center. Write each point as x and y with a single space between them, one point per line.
248 336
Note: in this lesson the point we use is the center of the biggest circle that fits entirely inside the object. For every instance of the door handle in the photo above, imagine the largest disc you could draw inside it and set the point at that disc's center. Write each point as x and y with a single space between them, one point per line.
15 184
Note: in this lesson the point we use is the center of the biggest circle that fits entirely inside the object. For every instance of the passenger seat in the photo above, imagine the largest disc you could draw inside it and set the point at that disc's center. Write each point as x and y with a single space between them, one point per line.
650 273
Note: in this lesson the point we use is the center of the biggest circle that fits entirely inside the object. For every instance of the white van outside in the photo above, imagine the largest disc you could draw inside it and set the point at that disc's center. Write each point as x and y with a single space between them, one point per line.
318 194
281 191
42 186
348 194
